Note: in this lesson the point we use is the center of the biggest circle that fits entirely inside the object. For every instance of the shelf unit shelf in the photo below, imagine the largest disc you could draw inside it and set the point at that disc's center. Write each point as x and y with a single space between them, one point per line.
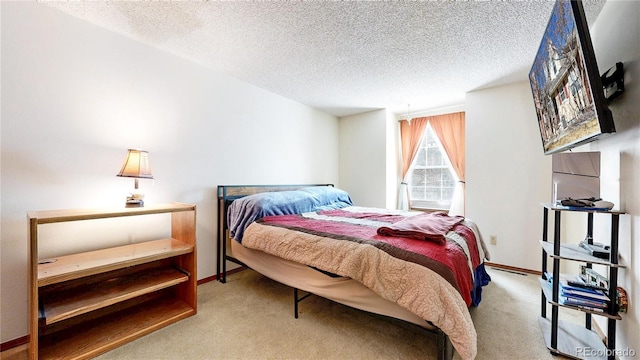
84 304
549 295
574 252
574 337
573 340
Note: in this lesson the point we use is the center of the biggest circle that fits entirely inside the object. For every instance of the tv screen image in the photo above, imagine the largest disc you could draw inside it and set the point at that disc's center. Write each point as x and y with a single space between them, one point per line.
566 86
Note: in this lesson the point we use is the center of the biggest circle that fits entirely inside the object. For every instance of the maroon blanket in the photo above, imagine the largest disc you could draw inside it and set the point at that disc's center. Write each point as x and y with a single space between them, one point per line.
427 226
453 260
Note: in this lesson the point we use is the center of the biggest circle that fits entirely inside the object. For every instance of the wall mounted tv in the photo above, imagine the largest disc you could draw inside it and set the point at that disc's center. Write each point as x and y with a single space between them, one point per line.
565 82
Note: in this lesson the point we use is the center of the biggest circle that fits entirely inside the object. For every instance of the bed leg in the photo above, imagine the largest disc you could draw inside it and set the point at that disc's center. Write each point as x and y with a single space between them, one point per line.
445 348
295 302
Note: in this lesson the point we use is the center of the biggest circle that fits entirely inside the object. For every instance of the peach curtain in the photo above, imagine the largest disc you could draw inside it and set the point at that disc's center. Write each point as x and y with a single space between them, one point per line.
450 130
410 135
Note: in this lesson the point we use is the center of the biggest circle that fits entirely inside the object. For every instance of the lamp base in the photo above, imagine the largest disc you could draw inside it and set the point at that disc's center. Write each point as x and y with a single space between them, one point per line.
135 200
134 203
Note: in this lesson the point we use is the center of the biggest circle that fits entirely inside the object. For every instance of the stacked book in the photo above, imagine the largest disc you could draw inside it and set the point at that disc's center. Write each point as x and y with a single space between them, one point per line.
575 292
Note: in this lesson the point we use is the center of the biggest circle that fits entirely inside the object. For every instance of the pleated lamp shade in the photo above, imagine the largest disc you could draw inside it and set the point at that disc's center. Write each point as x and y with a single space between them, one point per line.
136 165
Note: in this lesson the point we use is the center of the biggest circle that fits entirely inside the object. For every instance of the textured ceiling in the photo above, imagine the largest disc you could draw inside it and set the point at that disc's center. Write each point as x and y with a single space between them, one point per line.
344 57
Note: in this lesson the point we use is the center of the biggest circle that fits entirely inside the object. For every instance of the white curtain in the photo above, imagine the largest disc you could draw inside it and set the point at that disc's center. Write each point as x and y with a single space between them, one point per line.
450 130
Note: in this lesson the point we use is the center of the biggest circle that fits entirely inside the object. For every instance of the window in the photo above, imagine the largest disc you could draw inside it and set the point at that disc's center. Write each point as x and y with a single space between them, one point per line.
432 182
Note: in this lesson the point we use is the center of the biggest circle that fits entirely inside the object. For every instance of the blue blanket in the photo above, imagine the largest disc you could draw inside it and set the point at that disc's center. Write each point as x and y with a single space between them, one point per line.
248 209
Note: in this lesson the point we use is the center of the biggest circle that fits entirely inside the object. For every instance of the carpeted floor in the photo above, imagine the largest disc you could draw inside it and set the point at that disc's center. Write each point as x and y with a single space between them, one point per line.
251 317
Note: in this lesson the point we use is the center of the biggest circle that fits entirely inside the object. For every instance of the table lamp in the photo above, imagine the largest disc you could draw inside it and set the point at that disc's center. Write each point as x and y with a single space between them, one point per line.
136 165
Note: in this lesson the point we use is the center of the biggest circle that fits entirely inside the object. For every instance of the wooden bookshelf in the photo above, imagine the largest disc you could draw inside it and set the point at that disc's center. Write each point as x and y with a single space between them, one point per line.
84 304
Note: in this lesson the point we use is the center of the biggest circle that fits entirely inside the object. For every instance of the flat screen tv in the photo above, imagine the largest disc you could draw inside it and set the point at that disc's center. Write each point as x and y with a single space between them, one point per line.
565 82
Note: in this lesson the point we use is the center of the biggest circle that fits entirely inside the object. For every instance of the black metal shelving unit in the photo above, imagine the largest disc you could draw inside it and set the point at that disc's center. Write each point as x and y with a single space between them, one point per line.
566 338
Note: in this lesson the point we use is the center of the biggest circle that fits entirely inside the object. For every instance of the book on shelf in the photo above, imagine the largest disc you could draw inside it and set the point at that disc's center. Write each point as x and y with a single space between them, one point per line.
574 283
592 294
586 305
568 300
583 299
587 296
578 282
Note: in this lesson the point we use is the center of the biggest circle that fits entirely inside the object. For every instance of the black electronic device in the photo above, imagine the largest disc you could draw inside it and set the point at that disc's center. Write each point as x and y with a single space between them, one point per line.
600 251
613 81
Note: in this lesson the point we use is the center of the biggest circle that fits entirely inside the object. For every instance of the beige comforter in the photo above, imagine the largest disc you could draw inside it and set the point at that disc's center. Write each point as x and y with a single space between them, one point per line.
412 286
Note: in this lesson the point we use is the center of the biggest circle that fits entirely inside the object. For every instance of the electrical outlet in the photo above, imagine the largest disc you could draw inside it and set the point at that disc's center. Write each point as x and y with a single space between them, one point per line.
493 240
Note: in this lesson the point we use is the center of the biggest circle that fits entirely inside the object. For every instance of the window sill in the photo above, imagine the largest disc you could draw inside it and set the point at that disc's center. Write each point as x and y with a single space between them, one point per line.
428 209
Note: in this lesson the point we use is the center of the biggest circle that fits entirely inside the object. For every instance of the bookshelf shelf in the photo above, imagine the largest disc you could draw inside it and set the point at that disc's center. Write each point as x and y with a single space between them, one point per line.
74 266
566 338
58 306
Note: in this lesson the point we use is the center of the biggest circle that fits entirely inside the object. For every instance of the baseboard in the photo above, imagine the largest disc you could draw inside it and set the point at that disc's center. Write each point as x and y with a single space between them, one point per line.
207 279
215 277
14 343
512 268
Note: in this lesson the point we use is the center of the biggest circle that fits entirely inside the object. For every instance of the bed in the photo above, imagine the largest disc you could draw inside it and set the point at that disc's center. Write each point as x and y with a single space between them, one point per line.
313 238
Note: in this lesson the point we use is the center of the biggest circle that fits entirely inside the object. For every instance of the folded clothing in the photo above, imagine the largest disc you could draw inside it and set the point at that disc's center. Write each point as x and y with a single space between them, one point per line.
427 226
578 202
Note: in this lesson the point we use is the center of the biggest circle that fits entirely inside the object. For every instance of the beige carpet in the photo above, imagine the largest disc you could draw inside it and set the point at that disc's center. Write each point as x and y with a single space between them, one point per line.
251 317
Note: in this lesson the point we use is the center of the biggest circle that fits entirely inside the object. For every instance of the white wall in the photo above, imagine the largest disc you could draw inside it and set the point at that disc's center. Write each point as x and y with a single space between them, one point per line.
507 175
394 160
75 97
616 37
364 142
